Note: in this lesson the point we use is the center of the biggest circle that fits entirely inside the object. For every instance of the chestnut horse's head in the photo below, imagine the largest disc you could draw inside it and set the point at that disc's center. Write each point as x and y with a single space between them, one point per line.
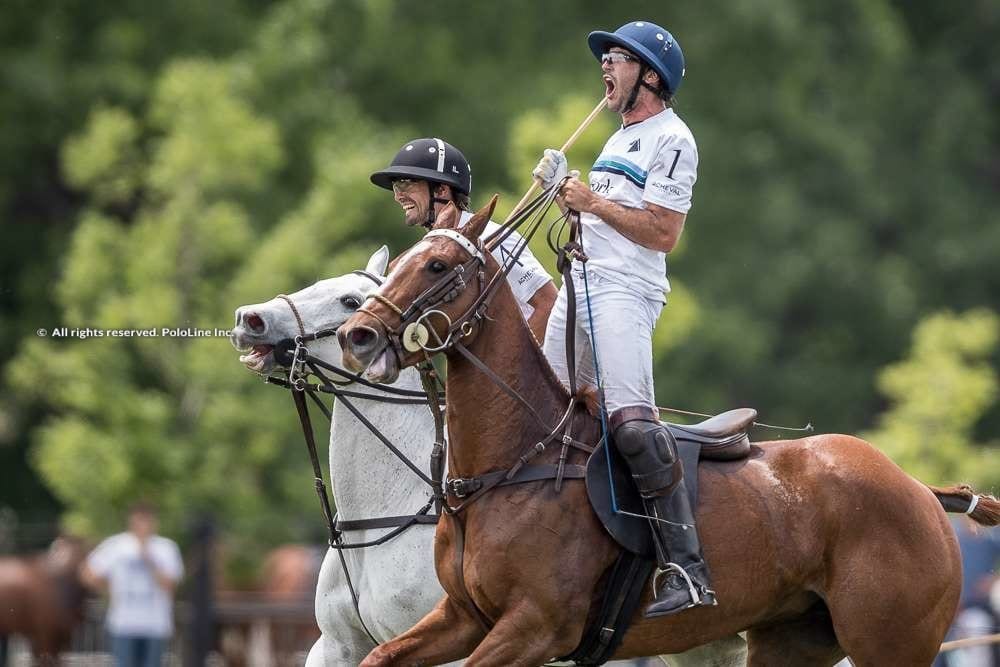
426 303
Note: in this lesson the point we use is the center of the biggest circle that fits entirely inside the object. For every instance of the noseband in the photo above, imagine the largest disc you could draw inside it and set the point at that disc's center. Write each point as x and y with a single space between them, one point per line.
414 330
297 363
301 365
283 349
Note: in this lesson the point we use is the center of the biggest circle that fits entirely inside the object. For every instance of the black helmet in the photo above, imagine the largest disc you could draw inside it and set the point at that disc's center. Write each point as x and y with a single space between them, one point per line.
430 160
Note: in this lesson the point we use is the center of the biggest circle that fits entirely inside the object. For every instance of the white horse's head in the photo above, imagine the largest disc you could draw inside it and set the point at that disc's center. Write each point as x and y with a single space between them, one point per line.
324 305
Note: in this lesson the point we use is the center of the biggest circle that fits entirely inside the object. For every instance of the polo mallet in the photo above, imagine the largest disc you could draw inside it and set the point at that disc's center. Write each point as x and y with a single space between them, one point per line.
565 147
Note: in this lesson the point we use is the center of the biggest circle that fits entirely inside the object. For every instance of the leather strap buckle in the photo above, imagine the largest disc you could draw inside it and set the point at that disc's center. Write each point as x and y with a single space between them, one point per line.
460 488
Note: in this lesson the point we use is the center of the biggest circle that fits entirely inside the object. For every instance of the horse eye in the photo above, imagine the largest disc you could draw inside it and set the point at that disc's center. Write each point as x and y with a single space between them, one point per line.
436 266
351 302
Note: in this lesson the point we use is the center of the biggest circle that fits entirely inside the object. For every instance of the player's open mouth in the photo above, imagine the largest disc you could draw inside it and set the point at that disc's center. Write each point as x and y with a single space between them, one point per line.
609 86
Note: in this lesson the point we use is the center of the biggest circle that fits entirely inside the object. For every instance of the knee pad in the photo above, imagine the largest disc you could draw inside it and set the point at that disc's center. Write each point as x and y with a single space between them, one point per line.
651 453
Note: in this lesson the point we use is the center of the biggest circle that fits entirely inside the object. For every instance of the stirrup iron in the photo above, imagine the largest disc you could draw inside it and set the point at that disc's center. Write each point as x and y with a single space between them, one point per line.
674 567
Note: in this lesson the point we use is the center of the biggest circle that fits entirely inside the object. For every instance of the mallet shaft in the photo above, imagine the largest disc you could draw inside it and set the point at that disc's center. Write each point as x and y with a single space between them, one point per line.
565 147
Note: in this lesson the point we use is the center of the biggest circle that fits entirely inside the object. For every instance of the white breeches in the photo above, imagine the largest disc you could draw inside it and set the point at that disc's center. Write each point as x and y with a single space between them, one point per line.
623 331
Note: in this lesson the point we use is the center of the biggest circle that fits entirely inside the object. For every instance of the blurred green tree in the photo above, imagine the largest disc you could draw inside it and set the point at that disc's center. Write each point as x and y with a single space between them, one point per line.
938 395
170 418
58 61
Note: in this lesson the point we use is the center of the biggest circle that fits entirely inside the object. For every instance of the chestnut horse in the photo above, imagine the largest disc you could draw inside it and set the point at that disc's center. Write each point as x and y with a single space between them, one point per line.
819 547
41 598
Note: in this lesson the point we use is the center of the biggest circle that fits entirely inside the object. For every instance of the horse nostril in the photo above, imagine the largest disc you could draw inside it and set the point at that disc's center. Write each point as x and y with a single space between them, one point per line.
362 337
254 322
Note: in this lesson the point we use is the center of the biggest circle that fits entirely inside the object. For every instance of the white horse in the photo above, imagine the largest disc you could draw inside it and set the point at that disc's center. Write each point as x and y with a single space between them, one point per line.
395 582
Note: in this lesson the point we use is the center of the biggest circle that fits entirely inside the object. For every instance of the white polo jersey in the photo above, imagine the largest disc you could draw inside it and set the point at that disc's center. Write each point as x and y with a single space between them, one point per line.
527 276
138 606
656 161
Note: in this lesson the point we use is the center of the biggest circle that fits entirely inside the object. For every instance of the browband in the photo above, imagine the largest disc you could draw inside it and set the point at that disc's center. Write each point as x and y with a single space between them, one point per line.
459 239
371 276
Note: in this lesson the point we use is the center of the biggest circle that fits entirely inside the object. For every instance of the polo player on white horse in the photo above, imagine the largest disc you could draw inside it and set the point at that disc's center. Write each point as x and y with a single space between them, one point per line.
428 174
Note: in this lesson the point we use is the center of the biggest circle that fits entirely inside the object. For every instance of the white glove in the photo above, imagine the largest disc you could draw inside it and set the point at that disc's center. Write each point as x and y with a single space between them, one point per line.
551 168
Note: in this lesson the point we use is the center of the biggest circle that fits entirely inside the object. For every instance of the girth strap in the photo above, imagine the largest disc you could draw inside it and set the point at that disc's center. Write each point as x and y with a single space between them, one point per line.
354 596
459 571
482 484
464 487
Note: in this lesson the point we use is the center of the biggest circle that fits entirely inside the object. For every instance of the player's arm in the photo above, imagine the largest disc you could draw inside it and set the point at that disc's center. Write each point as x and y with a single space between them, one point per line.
542 301
653 226
163 580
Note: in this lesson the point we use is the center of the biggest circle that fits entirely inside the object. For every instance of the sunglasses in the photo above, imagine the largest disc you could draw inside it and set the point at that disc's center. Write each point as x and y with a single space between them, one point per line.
612 57
403 184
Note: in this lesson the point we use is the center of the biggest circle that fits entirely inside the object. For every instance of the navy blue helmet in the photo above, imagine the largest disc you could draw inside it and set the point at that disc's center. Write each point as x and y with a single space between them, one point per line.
650 42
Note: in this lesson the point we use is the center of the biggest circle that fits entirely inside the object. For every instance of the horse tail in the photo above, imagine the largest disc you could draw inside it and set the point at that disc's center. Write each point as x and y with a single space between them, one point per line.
983 509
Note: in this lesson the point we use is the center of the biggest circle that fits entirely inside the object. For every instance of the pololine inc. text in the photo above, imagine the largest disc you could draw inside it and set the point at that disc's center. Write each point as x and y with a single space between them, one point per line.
152 332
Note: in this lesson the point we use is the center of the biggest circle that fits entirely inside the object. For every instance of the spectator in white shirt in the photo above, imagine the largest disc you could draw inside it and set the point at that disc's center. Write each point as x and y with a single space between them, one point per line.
139 570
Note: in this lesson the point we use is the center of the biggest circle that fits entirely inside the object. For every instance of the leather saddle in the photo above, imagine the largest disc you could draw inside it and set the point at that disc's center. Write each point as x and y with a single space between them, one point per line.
719 438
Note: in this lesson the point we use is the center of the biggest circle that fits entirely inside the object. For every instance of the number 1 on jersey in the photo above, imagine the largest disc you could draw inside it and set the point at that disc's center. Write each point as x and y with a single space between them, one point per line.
673 165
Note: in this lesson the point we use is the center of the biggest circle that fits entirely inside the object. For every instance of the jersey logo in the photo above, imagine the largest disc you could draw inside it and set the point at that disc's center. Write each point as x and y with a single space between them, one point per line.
633 147
508 256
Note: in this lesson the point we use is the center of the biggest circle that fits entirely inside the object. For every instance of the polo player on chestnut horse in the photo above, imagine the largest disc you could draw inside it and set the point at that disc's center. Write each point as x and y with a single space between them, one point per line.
819 547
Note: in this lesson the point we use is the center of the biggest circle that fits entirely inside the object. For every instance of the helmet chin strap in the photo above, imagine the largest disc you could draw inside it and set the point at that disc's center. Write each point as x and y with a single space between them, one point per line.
431 214
640 81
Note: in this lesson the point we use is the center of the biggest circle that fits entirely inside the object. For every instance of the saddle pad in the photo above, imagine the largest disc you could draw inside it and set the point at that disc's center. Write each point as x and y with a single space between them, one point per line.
632 533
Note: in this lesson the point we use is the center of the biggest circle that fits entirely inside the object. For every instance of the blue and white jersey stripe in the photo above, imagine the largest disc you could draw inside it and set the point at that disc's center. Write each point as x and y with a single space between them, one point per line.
619 165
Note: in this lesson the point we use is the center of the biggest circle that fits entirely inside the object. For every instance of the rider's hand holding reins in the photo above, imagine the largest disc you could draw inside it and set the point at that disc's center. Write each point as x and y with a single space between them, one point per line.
576 195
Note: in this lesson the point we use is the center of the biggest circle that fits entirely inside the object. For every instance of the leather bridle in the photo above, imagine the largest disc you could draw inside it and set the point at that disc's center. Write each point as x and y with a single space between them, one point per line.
414 329
407 335
293 354
447 289
301 364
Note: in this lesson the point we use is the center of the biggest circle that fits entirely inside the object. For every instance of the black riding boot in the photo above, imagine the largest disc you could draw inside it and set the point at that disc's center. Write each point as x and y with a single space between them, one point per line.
681 580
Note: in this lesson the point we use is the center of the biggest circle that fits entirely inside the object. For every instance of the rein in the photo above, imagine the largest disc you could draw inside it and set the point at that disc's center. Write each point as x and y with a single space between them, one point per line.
294 354
303 364
412 335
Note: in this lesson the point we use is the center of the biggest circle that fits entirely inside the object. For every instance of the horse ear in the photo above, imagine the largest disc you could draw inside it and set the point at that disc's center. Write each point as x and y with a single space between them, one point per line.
447 218
474 228
378 261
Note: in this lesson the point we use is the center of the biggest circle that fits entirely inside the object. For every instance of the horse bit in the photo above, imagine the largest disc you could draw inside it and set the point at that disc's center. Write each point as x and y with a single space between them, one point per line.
293 354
